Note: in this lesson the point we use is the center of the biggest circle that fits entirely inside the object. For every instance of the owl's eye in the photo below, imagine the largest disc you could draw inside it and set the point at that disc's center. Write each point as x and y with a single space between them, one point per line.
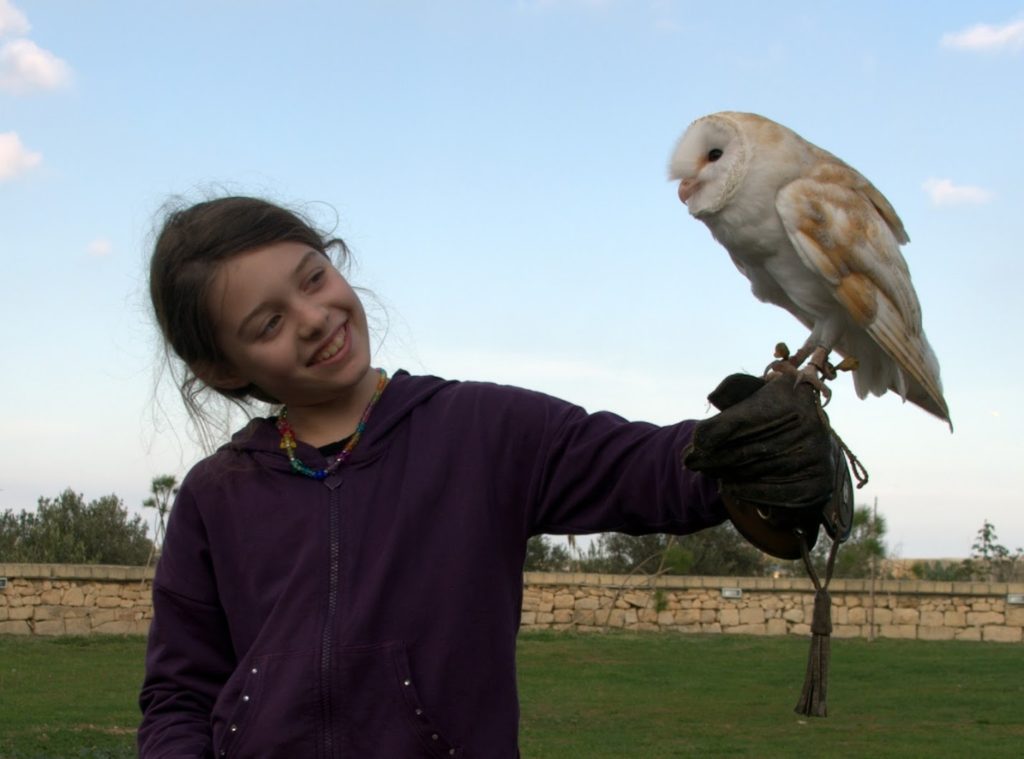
714 154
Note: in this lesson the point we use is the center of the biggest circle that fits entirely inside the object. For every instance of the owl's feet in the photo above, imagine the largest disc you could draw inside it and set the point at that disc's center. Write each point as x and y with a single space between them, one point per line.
815 372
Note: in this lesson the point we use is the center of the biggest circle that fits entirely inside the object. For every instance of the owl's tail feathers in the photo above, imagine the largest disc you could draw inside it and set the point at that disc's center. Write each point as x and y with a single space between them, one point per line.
915 378
931 403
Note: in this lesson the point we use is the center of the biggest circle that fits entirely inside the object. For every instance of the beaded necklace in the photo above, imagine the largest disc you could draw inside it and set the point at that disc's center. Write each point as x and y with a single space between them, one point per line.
288 444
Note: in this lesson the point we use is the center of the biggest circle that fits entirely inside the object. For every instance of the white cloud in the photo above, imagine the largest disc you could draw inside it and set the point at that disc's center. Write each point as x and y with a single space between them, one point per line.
100 247
12 20
15 158
24 66
944 192
988 38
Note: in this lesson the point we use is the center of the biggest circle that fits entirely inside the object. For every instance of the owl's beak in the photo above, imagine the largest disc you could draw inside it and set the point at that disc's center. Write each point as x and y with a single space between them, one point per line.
686 189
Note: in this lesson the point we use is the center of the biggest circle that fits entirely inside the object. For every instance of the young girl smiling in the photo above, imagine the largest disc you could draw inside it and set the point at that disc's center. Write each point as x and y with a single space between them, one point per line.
345 578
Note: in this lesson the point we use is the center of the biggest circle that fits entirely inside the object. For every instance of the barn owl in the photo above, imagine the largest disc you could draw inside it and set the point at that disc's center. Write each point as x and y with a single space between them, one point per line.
816 238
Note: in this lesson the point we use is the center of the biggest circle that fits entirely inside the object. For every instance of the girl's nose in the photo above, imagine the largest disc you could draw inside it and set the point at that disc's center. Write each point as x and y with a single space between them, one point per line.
312 320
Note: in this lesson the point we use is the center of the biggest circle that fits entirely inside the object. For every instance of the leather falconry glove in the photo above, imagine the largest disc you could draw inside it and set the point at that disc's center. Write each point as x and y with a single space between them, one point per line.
781 469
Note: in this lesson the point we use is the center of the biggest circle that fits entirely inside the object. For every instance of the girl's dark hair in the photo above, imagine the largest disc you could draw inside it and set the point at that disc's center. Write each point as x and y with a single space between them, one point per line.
192 243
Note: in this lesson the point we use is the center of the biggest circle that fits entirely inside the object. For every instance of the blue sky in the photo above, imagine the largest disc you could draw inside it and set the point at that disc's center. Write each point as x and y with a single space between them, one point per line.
499 170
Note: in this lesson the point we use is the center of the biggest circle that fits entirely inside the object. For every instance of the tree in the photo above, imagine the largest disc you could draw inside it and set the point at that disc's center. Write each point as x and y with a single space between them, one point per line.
66 530
716 551
854 559
544 556
164 488
991 561
941 571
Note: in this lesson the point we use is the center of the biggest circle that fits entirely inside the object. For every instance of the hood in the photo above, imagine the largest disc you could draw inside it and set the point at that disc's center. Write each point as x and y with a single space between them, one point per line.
403 394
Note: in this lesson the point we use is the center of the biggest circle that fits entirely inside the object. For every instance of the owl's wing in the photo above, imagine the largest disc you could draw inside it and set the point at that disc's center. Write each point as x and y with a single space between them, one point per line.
845 230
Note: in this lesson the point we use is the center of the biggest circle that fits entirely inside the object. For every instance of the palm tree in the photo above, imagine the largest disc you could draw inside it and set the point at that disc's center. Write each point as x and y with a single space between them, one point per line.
164 488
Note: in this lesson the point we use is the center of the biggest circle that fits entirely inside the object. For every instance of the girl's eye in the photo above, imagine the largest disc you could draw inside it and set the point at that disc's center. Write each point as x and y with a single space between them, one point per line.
316 277
714 154
270 325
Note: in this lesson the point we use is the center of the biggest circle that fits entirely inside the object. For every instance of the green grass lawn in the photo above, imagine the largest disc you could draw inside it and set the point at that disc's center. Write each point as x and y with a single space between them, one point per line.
614 695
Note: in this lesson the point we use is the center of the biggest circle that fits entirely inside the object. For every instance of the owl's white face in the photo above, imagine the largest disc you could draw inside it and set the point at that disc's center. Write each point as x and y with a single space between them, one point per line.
709 162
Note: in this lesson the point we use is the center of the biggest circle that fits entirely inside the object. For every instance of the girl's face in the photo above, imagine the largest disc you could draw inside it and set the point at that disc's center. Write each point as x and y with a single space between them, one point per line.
290 324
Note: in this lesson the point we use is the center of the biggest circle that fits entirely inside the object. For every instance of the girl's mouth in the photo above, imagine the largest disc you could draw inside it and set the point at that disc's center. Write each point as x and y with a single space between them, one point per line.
332 348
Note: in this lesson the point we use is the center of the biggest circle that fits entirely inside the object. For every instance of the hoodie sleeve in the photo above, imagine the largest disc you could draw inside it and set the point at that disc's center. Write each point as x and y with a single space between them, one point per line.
600 473
189 655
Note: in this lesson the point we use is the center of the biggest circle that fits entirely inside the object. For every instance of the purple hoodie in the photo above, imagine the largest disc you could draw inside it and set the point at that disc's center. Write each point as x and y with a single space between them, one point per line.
374 614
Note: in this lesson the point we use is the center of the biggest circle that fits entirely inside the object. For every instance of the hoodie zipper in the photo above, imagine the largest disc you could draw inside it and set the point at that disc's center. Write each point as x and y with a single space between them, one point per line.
327 635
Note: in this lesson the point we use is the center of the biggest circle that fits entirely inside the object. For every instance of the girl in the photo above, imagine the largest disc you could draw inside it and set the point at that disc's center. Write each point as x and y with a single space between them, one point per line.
344 579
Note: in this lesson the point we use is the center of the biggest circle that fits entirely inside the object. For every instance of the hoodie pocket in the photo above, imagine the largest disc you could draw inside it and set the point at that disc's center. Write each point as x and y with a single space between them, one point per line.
380 711
268 708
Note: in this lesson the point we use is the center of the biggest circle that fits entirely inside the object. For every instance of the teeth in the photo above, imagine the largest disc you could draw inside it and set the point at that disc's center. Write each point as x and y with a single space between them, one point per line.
332 347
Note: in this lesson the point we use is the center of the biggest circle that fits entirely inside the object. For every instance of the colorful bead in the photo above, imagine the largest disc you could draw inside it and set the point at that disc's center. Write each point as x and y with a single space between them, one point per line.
288 444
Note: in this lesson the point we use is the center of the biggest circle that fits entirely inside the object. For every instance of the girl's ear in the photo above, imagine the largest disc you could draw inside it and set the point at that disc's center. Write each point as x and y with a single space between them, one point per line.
220 377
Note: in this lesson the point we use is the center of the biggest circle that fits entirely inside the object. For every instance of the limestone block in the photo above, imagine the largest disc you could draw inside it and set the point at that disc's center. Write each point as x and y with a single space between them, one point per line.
630 616
711 627
20 612
935 632
49 627
707 616
73 597
800 629
1015 616
116 627
980 605
793 615
584 617
931 619
982 618
729 617
108 602
77 626
968 633
897 631
102 617
857 615
846 631
688 617
529 618
546 604
666 618
752 615
906 616
748 629
882 616
43 613
639 600
543 617
15 627
840 615
587 603
50 596
615 618
563 616
954 619
776 626
1001 634
645 627
564 601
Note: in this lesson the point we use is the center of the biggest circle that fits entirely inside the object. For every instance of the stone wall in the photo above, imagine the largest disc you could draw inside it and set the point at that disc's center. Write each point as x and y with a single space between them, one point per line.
75 599
769 606
55 599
